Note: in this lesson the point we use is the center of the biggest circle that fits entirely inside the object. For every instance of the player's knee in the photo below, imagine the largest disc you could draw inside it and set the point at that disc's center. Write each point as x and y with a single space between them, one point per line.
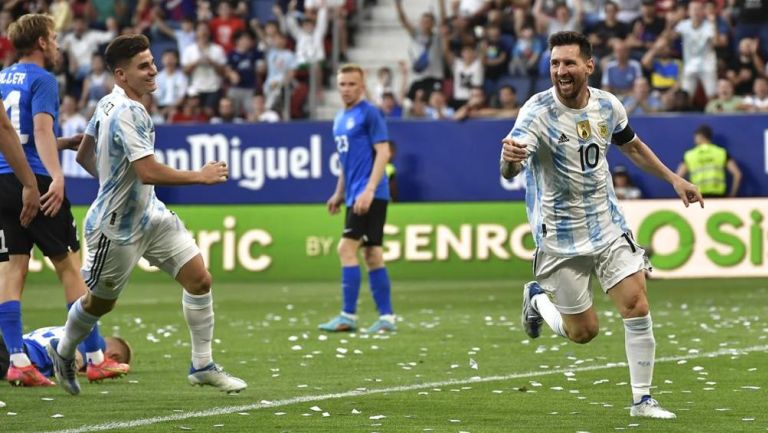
202 284
635 307
347 251
374 258
584 335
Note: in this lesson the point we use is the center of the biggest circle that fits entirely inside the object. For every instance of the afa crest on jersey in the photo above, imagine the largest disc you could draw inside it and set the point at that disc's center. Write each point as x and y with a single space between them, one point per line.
602 129
350 123
583 129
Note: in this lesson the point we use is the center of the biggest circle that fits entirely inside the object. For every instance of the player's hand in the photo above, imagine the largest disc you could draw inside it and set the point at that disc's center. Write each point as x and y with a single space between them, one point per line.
51 201
70 143
363 202
214 172
30 204
334 203
513 151
688 192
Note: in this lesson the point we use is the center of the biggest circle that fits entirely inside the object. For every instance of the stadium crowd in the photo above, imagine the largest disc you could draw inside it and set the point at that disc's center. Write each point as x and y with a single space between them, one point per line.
251 61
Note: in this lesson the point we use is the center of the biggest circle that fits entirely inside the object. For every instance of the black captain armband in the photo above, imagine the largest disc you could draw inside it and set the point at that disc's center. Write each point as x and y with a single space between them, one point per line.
624 136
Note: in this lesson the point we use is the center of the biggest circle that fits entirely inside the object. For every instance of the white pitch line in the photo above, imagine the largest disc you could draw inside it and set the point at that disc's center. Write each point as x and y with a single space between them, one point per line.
119 425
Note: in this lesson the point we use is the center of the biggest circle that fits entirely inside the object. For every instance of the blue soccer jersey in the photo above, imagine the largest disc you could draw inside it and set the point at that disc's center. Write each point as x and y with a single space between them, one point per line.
356 130
27 90
36 341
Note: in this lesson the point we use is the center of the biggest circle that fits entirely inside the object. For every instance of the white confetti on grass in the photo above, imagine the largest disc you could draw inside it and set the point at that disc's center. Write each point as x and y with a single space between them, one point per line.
315 409
279 413
377 417
473 364
355 411
57 415
2 404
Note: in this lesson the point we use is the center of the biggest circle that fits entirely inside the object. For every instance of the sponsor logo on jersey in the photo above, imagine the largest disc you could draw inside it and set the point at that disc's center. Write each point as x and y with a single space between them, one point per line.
563 139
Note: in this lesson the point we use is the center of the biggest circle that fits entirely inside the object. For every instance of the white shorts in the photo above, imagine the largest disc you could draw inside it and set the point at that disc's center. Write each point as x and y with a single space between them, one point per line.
168 245
568 280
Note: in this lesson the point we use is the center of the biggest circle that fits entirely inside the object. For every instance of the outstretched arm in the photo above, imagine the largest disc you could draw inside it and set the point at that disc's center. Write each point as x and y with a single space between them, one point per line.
404 19
151 172
643 157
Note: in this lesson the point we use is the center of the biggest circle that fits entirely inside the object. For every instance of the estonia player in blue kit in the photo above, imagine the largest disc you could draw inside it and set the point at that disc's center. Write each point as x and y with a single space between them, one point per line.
31 98
560 138
35 342
362 142
127 221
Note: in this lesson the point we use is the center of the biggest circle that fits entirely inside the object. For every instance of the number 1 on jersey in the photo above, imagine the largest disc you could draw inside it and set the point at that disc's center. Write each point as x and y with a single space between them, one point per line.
11 102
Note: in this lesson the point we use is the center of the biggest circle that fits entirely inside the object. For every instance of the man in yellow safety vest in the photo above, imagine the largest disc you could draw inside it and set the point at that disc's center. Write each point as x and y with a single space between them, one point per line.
706 164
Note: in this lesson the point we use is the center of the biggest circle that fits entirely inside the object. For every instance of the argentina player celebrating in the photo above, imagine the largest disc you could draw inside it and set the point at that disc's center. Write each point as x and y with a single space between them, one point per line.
561 137
127 221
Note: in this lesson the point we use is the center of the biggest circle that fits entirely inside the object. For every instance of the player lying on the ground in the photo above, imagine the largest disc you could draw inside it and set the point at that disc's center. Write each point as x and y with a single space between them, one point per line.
117 356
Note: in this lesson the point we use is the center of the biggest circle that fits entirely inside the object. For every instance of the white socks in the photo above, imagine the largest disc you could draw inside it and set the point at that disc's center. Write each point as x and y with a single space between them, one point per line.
549 313
20 359
78 326
95 358
198 312
641 352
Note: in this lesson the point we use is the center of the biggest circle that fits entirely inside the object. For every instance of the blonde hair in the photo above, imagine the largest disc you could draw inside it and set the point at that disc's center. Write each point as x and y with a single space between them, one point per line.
351 67
25 32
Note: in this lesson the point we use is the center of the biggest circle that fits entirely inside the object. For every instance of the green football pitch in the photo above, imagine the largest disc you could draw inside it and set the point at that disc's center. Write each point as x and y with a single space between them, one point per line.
459 363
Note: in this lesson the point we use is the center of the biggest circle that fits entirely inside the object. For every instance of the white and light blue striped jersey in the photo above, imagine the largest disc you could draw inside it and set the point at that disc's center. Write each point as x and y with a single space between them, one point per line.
124 208
570 201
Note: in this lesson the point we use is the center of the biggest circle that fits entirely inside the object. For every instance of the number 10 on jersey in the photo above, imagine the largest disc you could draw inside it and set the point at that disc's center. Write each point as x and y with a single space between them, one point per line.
589 155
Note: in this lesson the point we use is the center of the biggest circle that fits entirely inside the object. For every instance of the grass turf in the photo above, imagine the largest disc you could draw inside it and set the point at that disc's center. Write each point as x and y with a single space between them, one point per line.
450 331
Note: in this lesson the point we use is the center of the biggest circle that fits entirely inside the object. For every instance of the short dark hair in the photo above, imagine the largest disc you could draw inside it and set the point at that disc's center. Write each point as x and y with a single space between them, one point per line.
571 38
123 48
705 131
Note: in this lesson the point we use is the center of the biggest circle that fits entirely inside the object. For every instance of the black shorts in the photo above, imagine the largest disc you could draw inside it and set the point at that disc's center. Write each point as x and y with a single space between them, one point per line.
55 236
5 359
368 227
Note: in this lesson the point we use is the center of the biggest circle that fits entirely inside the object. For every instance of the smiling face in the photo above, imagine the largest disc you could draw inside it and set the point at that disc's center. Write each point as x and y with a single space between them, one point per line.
137 76
569 72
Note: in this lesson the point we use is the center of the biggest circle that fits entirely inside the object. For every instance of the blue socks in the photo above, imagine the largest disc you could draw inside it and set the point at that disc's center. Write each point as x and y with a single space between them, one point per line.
93 342
350 288
381 290
10 324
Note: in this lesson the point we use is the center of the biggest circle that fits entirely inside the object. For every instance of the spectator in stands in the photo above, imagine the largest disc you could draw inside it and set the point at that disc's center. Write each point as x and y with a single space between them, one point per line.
190 111
227 112
526 53
647 28
309 36
607 30
62 15
699 34
477 106
281 63
623 185
7 52
707 163
259 111
474 11
96 85
244 66
266 34
384 84
417 107
641 100
494 52
185 35
745 66
437 108
426 51
629 10
757 102
664 69
82 43
389 106
72 124
225 26
620 73
507 105
562 20
171 83
725 101
676 100
751 17
204 63
467 72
